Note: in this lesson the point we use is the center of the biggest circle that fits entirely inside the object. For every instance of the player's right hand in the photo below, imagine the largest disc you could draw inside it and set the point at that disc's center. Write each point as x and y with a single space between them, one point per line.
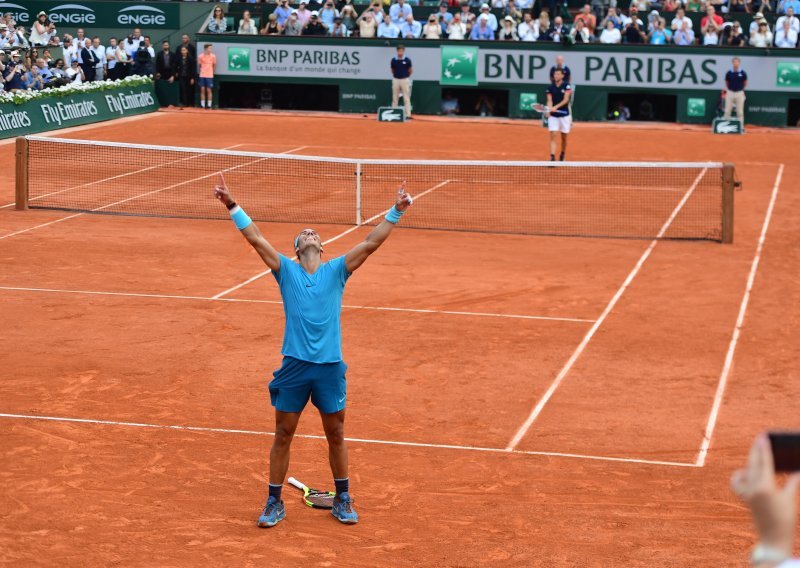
221 192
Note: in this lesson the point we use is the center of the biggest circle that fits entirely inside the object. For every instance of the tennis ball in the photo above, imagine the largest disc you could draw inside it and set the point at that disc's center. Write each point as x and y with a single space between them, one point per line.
616 114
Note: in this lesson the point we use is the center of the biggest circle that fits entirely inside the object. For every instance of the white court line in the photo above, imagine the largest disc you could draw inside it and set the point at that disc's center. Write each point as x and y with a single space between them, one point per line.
589 334
353 440
277 302
726 368
336 238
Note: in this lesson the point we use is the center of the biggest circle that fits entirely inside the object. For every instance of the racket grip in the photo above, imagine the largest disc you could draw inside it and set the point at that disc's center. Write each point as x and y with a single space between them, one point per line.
293 481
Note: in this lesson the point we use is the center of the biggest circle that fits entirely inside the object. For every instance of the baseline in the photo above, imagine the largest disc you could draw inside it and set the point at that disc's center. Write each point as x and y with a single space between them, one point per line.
352 440
276 302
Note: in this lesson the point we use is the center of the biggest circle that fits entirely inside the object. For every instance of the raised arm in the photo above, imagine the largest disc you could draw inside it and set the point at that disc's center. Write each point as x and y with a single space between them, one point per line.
359 253
248 228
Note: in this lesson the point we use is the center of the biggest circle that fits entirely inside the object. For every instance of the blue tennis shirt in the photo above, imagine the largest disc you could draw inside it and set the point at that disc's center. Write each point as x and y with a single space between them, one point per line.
312 304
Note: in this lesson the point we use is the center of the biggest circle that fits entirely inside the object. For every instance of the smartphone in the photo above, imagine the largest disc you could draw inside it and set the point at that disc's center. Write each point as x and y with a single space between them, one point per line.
785 450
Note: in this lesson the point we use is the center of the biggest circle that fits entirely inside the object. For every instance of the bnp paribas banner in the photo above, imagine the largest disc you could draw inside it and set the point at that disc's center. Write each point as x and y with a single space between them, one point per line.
51 113
469 65
88 13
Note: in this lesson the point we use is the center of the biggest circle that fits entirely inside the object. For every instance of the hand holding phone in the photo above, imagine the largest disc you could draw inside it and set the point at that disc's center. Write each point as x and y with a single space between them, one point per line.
785 450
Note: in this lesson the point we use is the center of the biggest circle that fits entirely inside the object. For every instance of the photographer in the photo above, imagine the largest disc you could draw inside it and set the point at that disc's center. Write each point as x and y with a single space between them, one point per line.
14 71
774 510
42 30
60 77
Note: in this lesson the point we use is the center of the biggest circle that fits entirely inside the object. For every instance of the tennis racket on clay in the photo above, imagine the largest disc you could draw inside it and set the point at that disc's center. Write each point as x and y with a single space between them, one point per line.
314 497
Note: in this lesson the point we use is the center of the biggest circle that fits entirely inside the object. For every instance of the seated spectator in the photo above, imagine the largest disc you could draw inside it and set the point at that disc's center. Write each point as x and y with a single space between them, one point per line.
387 28
685 35
732 35
432 30
633 14
367 24
511 9
507 31
410 29
217 24
338 29
271 26
33 80
711 35
282 12
328 13
457 30
443 14
467 17
293 27
756 20
633 32
44 70
59 74
794 22
542 26
784 5
398 13
711 16
762 37
491 19
75 73
303 15
614 18
579 33
679 19
482 31
526 31
315 27
640 5
652 18
246 25
589 20
660 34
670 6
738 6
611 34
349 17
786 37
774 509
694 5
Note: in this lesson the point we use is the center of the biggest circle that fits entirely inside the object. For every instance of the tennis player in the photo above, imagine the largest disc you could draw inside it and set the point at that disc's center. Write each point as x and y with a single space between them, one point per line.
559 119
312 346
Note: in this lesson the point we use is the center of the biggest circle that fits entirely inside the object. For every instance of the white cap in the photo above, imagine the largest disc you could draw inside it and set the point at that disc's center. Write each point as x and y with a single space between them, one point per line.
484 6
508 19
314 13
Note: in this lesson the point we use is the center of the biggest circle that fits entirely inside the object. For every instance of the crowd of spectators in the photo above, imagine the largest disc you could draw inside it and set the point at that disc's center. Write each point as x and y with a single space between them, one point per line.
655 22
27 63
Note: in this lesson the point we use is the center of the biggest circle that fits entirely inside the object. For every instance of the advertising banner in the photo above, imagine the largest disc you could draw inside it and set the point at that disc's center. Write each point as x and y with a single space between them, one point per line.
471 65
88 13
51 113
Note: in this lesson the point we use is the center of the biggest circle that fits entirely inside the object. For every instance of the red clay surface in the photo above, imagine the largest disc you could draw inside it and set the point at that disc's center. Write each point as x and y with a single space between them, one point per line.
157 350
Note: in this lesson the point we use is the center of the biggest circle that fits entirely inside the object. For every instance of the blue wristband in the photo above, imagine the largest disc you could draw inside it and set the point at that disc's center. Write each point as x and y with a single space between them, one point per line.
393 216
240 218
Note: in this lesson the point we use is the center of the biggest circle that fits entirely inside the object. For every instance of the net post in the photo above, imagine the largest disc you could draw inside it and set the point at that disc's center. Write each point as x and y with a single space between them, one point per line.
21 199
358 194
728 186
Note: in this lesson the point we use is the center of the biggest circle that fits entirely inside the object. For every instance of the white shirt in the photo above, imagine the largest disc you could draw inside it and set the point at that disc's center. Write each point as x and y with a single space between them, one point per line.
710 39
527 32
491 20
785 40
677 23
39 39
399 14
100 52
111 56
795 23
457 30
611 36
74 76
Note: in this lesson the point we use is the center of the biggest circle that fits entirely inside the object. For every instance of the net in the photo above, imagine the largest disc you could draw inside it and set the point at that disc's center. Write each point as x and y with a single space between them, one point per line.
668 200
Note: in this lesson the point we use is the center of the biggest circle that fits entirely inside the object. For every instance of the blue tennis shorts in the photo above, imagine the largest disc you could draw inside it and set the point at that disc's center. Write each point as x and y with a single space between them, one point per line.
206 82
297 381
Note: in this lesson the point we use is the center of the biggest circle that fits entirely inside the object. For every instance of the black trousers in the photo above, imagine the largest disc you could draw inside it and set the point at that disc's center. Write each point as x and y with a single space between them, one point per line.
186 90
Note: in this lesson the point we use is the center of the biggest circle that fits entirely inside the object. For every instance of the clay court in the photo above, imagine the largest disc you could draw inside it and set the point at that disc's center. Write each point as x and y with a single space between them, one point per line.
513 400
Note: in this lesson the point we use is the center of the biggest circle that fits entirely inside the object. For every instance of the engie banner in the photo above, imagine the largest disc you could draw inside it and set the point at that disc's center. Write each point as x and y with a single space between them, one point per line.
89 13
51 113
470 65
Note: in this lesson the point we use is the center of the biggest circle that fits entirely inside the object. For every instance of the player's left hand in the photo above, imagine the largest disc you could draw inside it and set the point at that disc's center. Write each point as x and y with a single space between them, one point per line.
404 200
